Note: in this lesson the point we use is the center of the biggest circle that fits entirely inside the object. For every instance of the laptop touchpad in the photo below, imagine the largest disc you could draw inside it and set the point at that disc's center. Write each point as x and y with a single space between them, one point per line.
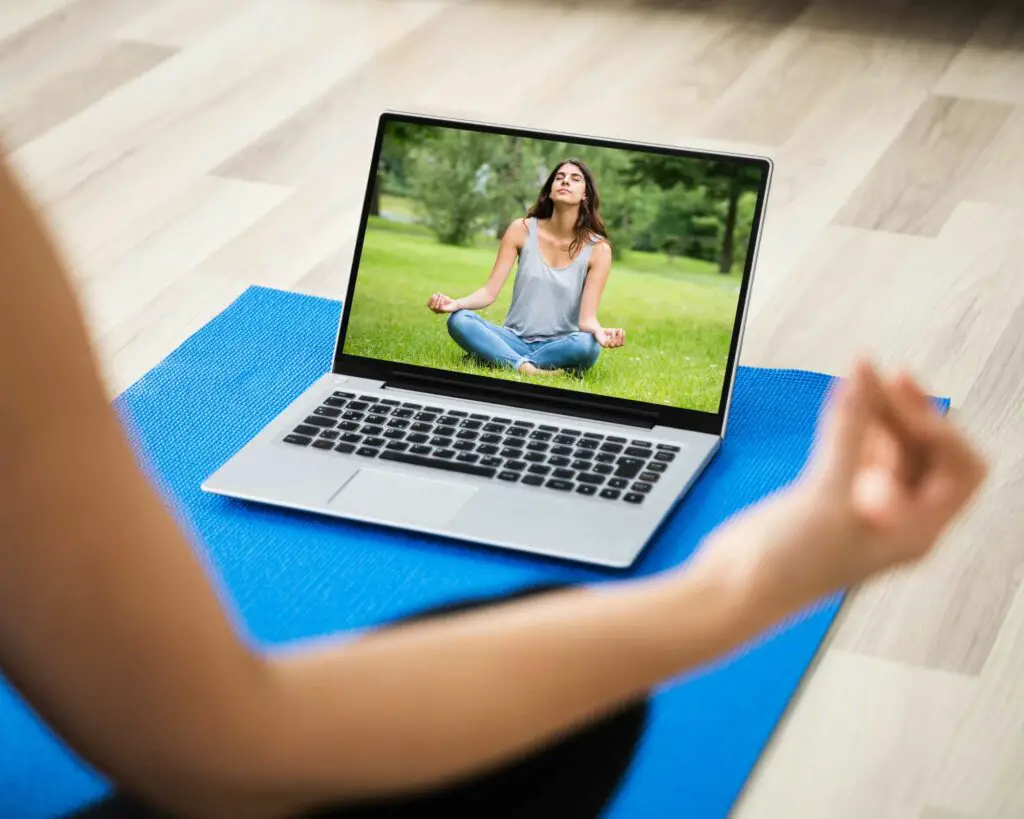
401 499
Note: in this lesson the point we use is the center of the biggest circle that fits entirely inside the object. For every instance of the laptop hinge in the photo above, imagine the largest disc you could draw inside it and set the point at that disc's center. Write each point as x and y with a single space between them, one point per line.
512 397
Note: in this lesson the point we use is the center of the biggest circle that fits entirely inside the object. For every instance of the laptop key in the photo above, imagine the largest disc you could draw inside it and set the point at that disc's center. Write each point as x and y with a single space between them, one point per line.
563 439
380 409
339 394
593 436
628 467
548 428
664 456
466 435
418 459
306 429
517 432
537 446
439 440
446 421
323 443
397 446
301 440
487 449
508 476
562 486
435 410
561 450
633 497
421 427
446 454
642 488
564 474
394 434
376 419
463 445
490 439
327 412
418 438
610 494
398 423
656 466
348 425
351 437
372 399
538 435
510 453
467 457
615 449
352 415
604 458
374 441
479 416
649 477
493 427
411 406
471 424
505 421
372 429
391 402
618 483
602 469
517 466
402 413
638 442
535 457
615 439
420 449
581 466
532 480
539 469
458 413
586 489
558 460
637 452
317 421
583 454
587 443
426 416
590 477
490 461
358 406
574 433
345 449
329 434
524 424
367 451
668 447
515 443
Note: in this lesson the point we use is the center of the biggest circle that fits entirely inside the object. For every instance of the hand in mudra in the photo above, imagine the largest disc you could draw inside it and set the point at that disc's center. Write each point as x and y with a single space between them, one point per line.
610 336
440 303
887 475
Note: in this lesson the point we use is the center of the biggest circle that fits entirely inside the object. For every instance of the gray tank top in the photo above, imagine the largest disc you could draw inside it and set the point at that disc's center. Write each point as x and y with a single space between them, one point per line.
545 299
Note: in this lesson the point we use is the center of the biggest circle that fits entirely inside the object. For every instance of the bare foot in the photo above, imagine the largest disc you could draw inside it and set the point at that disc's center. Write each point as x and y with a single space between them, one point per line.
526 368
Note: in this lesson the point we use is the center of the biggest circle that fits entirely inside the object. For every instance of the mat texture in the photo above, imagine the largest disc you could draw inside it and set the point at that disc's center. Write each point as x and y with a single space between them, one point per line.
290 575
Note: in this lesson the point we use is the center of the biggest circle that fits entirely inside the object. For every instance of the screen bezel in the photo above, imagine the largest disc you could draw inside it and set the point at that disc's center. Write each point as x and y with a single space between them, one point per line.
483 388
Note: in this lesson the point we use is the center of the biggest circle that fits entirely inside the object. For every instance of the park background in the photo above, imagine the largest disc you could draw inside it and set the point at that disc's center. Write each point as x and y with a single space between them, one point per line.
679 229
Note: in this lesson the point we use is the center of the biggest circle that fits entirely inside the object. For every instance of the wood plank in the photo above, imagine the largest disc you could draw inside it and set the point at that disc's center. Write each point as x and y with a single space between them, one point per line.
991 66
920 179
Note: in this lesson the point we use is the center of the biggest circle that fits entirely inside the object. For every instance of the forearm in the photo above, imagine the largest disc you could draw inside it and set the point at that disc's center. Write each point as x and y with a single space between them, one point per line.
423 703
476 300
590 324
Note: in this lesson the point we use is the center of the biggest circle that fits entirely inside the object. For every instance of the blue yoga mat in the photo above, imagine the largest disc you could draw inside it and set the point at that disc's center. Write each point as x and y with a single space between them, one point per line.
290 575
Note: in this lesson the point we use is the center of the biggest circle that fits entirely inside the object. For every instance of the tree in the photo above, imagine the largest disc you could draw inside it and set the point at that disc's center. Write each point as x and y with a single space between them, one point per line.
723 181
449 179
399 139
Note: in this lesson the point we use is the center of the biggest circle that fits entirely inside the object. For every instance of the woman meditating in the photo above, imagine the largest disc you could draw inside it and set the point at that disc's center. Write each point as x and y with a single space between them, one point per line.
564 261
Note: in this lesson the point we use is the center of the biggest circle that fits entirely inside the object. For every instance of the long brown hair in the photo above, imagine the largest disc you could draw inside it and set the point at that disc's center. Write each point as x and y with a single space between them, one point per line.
589 222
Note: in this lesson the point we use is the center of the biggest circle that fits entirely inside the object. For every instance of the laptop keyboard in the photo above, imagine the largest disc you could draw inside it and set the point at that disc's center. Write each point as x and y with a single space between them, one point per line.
557 458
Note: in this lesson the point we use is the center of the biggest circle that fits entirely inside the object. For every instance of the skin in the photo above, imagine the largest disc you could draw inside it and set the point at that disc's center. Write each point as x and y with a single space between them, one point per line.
113 629
555 235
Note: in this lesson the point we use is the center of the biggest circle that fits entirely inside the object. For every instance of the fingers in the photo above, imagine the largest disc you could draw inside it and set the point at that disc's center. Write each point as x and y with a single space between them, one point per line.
844 425
614 337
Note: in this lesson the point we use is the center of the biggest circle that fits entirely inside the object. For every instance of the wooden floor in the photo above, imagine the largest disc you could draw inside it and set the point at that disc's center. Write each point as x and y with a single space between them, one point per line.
185 149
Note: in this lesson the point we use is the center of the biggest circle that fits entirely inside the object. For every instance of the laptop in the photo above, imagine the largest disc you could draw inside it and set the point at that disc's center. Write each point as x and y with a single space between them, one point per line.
538 344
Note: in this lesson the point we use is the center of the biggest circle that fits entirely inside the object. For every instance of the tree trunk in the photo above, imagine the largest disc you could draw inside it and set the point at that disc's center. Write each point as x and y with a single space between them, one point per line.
729 238
375 196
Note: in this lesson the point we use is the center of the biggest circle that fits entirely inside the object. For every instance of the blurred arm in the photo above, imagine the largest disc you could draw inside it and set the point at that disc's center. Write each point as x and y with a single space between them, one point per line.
597 277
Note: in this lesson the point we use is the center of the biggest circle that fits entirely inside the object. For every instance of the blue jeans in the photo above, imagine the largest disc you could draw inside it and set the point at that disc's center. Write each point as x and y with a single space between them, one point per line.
500 346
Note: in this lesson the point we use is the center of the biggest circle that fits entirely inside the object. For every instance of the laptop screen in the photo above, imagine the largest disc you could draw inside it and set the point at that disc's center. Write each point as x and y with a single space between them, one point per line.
605 270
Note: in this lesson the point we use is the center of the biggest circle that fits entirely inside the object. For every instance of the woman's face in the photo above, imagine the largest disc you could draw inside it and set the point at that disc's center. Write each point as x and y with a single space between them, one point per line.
568 186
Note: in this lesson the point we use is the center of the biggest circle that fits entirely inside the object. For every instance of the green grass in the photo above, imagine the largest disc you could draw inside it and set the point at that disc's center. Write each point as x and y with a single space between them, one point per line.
678 317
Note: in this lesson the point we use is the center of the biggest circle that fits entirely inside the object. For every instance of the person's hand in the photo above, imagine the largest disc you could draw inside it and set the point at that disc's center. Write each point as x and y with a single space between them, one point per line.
887 475
440 303
610 337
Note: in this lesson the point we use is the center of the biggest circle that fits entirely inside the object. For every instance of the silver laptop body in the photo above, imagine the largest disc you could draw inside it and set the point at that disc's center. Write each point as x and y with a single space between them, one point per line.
621 467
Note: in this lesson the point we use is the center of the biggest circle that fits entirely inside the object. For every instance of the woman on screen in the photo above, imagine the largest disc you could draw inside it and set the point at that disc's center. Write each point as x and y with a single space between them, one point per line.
564 262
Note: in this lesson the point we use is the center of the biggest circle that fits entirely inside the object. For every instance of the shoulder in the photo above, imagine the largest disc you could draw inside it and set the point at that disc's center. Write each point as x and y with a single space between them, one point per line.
602 251
517 231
